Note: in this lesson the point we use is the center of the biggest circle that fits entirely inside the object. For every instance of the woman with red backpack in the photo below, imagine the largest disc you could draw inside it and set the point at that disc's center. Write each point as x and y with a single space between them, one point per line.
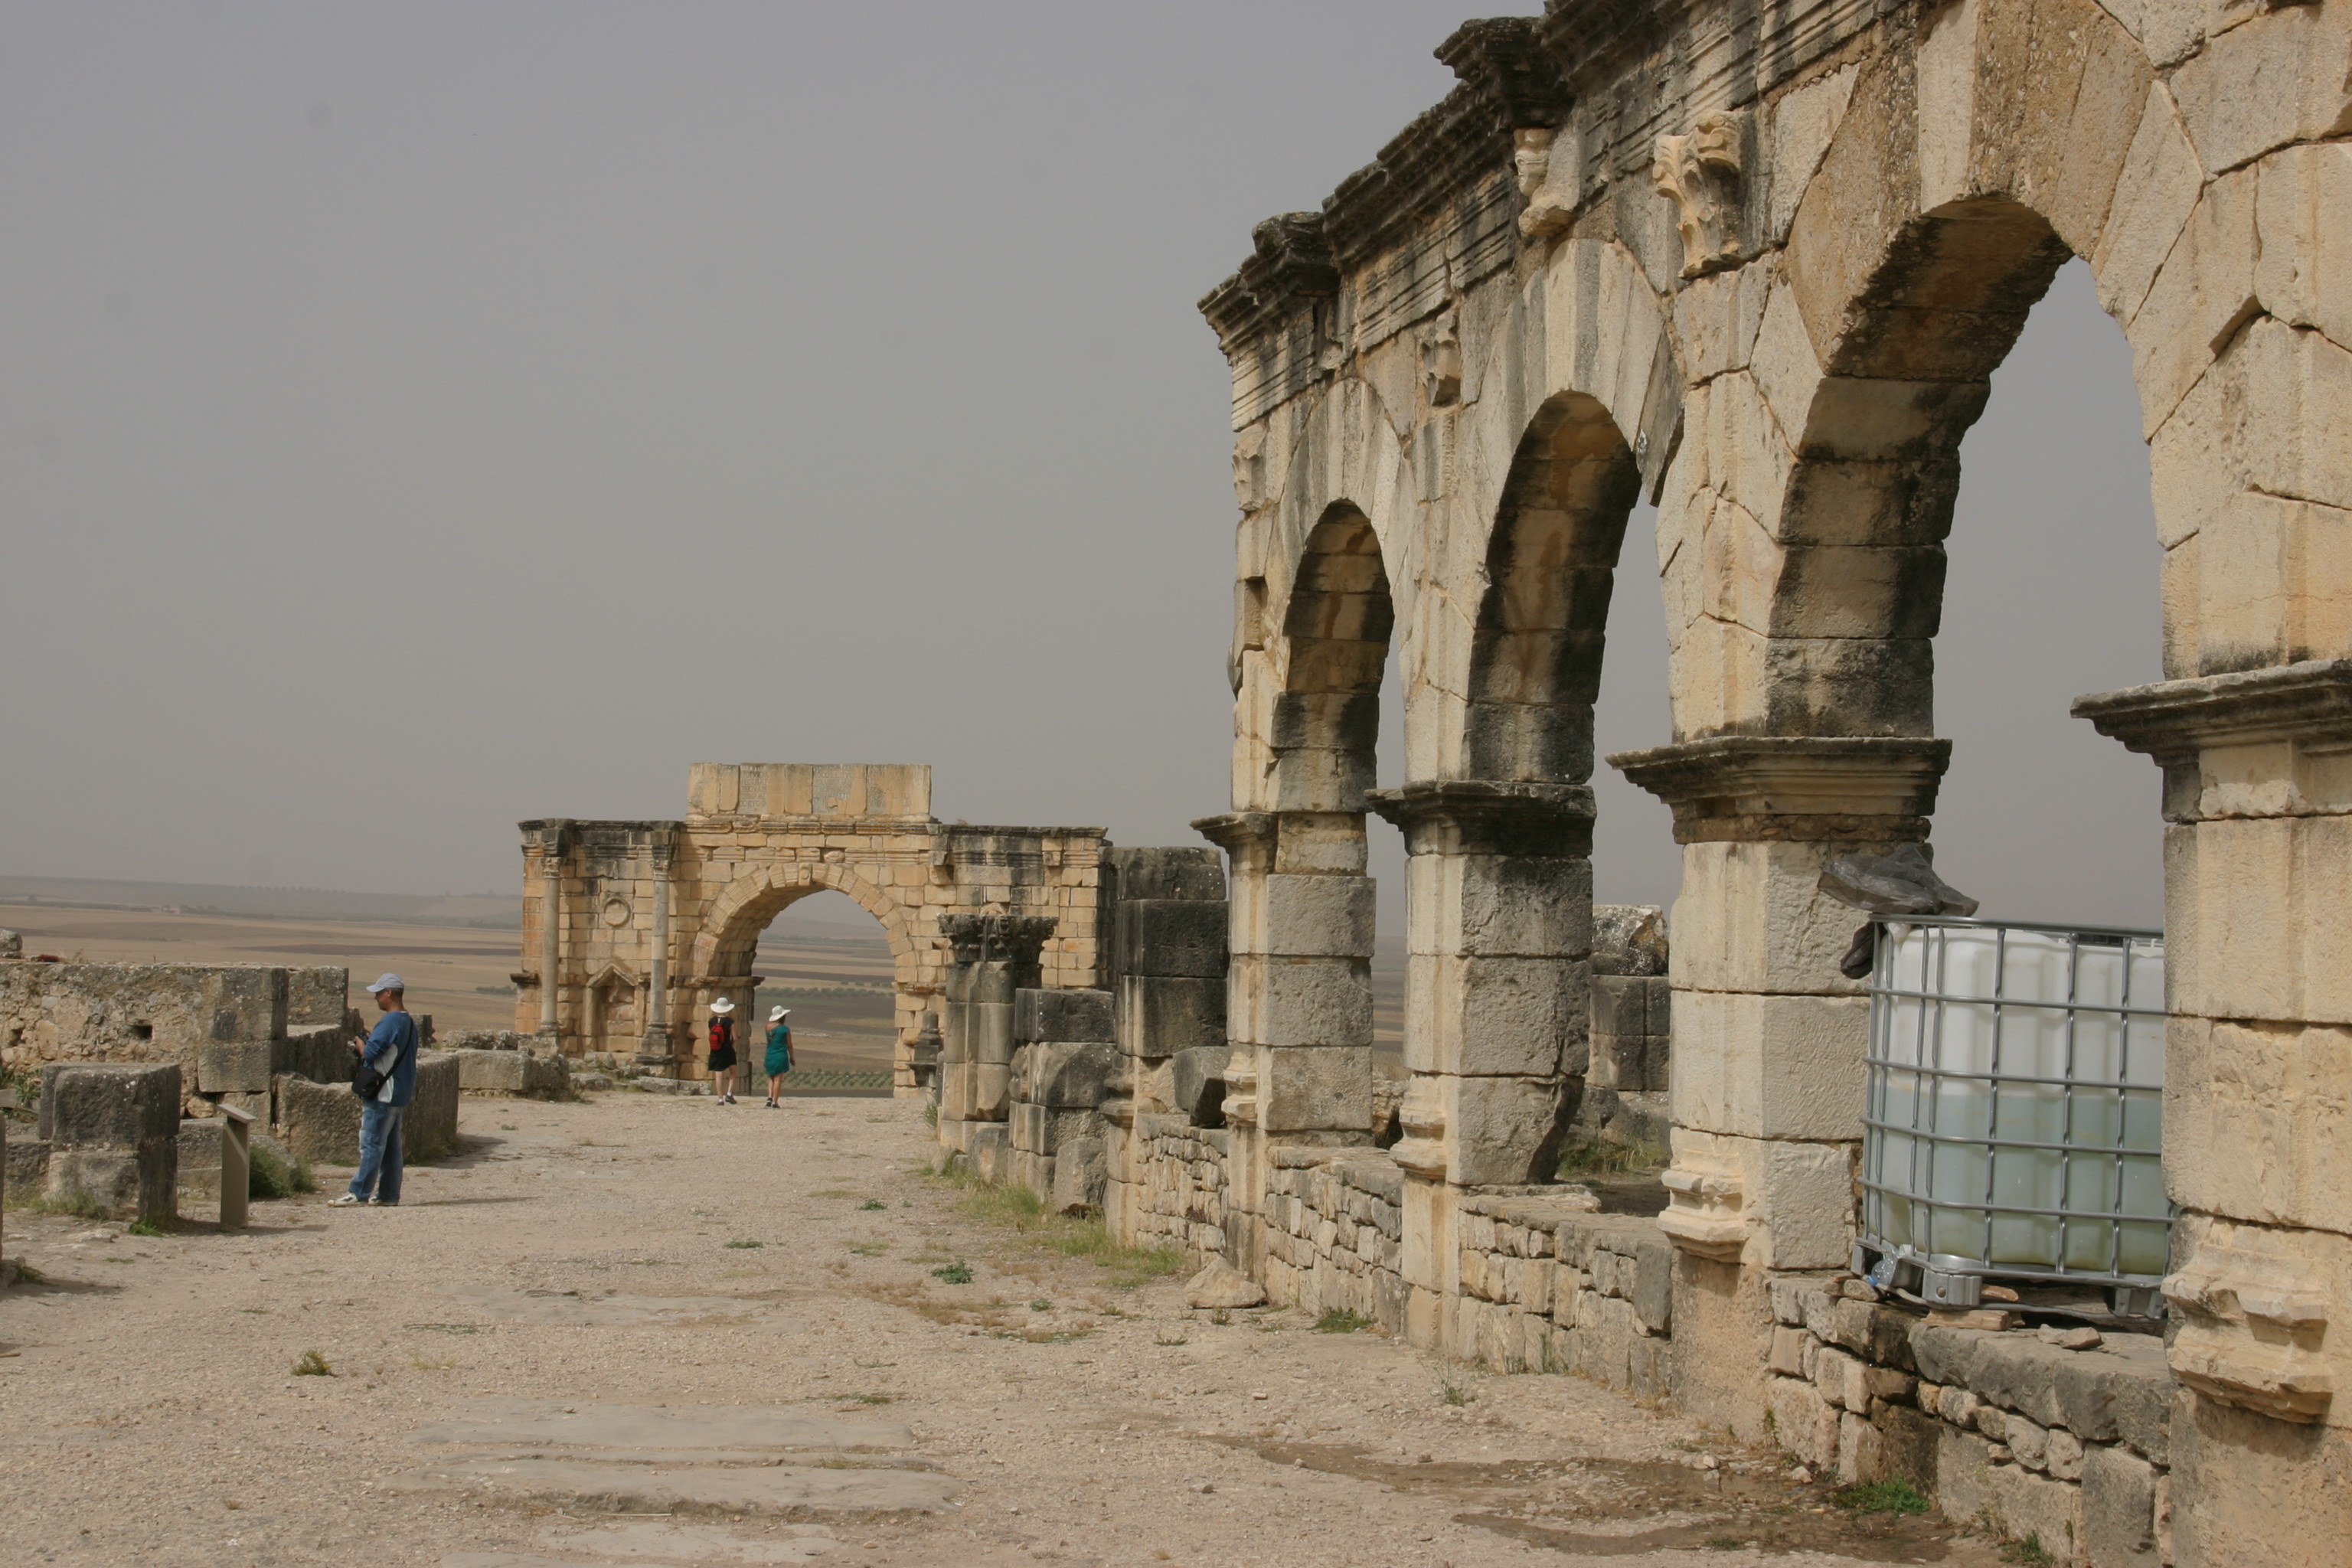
722 1050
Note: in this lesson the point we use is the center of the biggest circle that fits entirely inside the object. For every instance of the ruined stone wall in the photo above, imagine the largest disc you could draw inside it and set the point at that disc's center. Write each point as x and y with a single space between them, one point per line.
1177 1187
2060 1434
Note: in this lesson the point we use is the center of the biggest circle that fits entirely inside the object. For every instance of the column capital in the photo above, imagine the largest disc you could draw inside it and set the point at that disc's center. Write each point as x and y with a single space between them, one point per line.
1484 817
1794 788
1238 832
988 938
2306 707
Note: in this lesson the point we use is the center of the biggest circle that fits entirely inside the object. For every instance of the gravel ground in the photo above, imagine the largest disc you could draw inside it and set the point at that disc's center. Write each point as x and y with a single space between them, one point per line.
649 1331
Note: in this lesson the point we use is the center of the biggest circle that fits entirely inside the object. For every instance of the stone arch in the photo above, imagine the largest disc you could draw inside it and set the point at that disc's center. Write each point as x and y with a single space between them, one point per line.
730 931
1551 558
1335 627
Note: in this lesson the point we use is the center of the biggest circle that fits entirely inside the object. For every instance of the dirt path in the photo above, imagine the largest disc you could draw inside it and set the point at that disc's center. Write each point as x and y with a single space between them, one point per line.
650 1331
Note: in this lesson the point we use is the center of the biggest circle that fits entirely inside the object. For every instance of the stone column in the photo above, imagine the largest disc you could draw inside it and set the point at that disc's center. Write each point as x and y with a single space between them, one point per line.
991 957
1498 895
657 1049
551 836
1298 996
1767 1078
2258 1070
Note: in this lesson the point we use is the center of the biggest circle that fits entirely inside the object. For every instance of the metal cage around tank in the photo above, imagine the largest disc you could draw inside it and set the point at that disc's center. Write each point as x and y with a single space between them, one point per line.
2013 1127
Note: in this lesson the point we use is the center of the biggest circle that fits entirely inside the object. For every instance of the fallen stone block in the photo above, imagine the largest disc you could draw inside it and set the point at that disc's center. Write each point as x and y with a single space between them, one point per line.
511 1072
318 1121
1197 1082
1081 1173
1223 1285
134 1184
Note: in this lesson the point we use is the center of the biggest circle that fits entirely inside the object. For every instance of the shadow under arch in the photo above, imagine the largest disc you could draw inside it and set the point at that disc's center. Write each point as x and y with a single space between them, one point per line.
1551 560
1335 627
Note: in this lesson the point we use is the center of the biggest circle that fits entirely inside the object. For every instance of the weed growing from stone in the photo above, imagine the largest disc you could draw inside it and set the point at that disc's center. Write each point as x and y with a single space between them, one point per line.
1340 1320
1883 1497
953 1274
2029 1551
1455 1394
313 1364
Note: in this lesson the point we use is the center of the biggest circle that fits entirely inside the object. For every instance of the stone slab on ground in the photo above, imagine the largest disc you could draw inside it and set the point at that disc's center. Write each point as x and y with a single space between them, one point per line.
666 1488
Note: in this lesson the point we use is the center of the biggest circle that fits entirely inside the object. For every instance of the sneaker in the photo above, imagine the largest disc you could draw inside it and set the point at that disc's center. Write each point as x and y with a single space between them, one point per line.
347 1200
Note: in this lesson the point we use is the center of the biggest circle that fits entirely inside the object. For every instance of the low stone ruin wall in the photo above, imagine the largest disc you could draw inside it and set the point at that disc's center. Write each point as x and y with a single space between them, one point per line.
1550 1285
2059 1435
321 1122
501 1061
1180 1199
1335 1233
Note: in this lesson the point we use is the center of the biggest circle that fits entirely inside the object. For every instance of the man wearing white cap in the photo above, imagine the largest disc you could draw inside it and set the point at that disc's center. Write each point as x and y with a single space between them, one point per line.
722 1050
385 1081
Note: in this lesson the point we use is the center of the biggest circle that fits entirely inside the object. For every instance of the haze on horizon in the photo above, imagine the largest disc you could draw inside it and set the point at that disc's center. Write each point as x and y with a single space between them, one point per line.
422 418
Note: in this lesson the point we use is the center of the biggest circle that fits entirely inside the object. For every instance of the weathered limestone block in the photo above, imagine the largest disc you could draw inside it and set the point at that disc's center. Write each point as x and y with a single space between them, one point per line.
1172 937
111 1132
1299 1001
1069 1076
320 1122
512 1072
1771 1066
1494 1015
1080 1175
2118 1509
1158 1016
200 1154
1060 1015
1197 1078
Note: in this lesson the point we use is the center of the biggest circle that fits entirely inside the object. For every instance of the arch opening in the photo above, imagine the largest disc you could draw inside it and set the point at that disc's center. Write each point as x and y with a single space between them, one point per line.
841 965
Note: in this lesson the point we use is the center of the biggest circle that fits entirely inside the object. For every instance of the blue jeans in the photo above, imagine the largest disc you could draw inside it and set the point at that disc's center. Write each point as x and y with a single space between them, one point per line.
380 1158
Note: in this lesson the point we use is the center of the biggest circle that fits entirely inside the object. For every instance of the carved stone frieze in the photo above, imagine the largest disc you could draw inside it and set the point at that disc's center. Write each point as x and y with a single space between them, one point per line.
2253 1324
1548 209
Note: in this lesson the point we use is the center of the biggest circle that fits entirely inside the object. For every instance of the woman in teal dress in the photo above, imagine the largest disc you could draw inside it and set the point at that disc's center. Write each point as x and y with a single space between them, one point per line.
779 1053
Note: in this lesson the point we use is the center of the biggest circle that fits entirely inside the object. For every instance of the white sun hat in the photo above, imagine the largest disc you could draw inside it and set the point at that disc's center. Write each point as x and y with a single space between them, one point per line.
775 1014
724 1004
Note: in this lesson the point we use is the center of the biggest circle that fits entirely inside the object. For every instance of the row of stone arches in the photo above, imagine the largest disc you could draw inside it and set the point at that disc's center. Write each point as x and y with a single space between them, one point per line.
1781 336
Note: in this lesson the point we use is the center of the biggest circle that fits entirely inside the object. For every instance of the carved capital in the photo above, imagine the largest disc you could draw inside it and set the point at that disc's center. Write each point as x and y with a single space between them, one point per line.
1244 835
1478 816
989 939
2253 1321
1700 173
2305 708
1705 1210
1812 789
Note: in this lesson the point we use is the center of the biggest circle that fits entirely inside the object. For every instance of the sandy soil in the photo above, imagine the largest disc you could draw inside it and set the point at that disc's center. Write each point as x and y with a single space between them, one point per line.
577 1296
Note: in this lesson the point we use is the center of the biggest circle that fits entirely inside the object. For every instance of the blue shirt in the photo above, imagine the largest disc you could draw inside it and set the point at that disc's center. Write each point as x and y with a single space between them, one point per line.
394 1032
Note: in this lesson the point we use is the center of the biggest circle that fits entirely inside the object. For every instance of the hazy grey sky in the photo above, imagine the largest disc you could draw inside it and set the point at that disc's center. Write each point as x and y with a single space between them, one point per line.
419 417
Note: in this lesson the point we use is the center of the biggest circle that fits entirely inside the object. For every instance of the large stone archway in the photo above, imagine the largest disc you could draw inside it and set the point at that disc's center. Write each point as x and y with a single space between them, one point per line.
656 919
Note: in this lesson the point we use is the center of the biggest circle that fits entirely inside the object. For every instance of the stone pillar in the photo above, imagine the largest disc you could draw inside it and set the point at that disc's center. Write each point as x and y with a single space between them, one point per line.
1498 895
1298 996
551 930
657 1049
991 957
1766 1076
2258 1069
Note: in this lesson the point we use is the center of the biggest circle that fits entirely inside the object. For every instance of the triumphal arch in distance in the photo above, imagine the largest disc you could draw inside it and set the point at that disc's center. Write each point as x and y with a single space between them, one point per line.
631 929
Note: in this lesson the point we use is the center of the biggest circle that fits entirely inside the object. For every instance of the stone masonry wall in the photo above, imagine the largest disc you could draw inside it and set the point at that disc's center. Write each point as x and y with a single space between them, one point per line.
1180 1196
2058 1433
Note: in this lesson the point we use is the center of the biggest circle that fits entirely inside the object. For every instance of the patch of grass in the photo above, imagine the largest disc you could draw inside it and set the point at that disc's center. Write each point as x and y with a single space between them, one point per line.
1023 1212
1607 1160
1881 1497
1041 1305
24 1273
313 1364
867 1399
447 1327
1456 1394
833 1192
143 1227
271 1176
869 1248
2029 1551
958 1273
747 1244
1340 1320
930 1114
74 1203
872 1203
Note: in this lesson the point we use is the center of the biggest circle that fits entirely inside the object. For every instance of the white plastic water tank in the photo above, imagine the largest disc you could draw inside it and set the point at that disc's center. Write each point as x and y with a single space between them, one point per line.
2015 1123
